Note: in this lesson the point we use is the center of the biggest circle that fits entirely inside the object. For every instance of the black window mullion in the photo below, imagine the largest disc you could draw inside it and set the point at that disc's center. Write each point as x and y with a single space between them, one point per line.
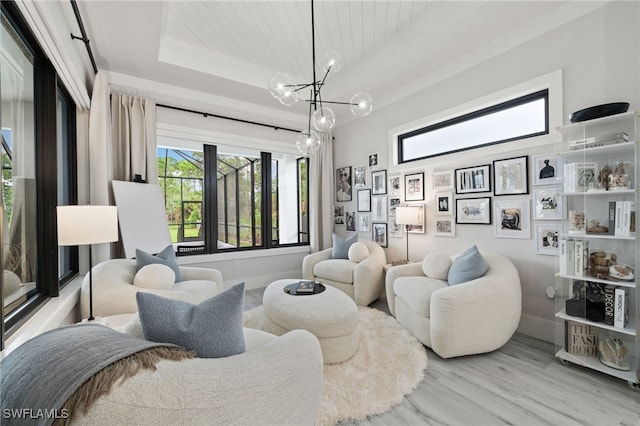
267 240
210 198
253 204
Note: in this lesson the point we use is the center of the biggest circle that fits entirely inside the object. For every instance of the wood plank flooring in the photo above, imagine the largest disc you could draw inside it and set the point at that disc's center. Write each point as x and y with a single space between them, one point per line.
520 384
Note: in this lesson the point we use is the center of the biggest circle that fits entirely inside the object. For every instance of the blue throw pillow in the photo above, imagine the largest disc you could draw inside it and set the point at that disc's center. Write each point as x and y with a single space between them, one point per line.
341 247
166 257
212 329
468 266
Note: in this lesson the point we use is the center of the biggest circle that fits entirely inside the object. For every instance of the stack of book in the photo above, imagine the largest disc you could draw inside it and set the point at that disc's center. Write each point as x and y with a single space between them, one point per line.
574 257
581 339
622 218
579 177
596 141
616 306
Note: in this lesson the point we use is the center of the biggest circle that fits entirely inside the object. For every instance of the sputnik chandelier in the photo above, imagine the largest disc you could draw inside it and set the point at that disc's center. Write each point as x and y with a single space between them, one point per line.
321 116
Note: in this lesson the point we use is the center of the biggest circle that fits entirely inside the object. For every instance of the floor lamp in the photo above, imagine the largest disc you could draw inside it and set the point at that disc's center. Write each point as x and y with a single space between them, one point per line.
87 225
407 216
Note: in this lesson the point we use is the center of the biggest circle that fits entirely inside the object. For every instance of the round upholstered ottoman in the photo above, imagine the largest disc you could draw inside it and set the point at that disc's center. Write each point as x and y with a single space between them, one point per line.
331 316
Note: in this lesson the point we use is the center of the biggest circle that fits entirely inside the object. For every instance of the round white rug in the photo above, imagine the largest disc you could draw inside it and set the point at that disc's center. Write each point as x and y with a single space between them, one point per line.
388 365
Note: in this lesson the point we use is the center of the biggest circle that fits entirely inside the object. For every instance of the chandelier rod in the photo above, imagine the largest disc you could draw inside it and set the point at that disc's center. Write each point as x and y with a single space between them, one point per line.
313 53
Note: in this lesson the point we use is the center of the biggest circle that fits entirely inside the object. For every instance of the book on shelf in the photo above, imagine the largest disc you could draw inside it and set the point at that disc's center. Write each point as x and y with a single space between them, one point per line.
569 170
580 257
305 287
609 302
622 218
571 257
562 259
621 307
596 141
627 208
580 339
612 217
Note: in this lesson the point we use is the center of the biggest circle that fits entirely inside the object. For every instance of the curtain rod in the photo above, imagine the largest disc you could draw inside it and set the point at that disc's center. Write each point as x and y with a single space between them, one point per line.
84 38
240 120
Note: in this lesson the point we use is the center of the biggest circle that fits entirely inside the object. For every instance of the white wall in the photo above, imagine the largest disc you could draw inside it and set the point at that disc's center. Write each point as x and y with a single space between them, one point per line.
599 56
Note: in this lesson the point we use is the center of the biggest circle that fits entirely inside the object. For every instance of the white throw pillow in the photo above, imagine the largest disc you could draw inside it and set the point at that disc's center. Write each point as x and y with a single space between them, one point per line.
156 276
358 252
436 265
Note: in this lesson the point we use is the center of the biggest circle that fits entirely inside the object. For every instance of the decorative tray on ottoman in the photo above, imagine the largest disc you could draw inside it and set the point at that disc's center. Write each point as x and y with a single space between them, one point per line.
304 288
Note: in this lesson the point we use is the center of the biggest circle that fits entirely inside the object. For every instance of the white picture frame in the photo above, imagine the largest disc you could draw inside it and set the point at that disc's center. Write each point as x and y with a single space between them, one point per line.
359 177
443 180
512 219
378 182
548 205
379 208
444 226
364 221
476 211
395 230
364 200
546 169
395 185
418 229
547 237
444 203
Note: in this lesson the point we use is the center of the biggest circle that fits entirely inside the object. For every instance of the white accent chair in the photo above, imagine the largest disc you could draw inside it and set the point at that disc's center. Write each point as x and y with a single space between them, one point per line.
473 317
362 281
114 292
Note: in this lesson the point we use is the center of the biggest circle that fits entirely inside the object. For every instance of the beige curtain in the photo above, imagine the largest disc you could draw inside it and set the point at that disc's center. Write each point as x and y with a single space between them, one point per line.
321 184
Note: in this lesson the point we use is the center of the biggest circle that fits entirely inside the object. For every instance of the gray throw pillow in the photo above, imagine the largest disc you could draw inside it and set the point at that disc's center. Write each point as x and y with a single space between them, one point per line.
341 247
166 257
212 329
468 266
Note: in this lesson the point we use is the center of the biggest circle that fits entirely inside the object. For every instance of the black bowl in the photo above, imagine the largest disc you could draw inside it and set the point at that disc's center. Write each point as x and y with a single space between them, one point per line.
599 111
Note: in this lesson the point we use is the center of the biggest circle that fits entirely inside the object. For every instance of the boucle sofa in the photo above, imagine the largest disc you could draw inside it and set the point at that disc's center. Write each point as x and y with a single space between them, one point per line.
114 291
363 281
474 317
277 381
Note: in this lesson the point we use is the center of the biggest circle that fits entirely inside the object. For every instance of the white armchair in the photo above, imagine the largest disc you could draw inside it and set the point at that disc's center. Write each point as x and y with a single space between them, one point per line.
114 292
473 317
363 281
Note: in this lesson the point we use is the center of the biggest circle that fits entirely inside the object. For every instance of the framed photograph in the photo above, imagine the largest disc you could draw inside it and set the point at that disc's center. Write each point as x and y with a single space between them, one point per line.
351 221
363 223
379 233
417 229
338 215
444 203
379 208
343 184
364 200
379 182
548 205
372 160
444 227
547 239
443 180
395 230
360 177
395 185
473 210
585 176
512 219
511 176
414 187
547 169
473 179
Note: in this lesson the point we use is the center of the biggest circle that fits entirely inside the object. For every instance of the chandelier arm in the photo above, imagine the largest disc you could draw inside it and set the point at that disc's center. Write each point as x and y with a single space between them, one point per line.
309 123
338 103
313 53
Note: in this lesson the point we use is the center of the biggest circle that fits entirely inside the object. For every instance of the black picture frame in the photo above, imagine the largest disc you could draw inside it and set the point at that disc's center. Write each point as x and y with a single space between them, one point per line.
344 189
364 200
378 182
511 176
414 187
474 179
379 233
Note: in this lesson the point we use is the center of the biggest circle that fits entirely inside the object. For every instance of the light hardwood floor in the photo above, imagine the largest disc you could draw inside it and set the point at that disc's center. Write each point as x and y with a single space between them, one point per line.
520 384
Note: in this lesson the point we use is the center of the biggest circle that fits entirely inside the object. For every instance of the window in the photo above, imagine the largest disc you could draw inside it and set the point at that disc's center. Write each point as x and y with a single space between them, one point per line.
215 198
38 171
519 118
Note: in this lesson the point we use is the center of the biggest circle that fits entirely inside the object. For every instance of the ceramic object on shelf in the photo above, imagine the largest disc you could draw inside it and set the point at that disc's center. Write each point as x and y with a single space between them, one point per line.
621 272
598 111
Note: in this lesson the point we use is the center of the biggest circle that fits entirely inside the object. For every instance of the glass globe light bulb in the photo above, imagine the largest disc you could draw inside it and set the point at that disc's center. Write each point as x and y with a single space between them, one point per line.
362 104
334 60
289 97
279 85
308 141
323 119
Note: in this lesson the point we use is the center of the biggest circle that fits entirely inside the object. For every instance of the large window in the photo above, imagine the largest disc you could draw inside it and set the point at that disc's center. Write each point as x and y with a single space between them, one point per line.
38 171
519 118
215 198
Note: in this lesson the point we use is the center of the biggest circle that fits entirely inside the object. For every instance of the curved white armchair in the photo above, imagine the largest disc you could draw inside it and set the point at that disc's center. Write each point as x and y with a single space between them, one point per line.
114 292
474 317
362 281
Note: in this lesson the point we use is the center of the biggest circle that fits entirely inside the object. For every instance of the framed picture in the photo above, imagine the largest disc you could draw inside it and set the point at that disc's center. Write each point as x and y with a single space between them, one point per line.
512 219
363 223
395 185
379 233
372 160
351 221
444 203
395 230
414 187
417 229
473 210
585 176
445 227
473 179
547 239
443 180
338 215
511 176
548 205
359 177
547 169
379 208
343 184
364 200
379 182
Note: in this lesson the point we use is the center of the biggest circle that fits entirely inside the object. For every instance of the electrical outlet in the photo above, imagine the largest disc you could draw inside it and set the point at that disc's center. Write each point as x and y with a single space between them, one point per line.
551 292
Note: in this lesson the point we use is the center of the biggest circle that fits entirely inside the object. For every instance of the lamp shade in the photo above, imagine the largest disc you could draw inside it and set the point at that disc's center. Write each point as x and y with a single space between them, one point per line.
408 215
80 225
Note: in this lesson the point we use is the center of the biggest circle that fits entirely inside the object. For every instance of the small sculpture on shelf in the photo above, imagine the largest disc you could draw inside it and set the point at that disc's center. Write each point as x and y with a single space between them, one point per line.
604 177
619 178
599 263
612 354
